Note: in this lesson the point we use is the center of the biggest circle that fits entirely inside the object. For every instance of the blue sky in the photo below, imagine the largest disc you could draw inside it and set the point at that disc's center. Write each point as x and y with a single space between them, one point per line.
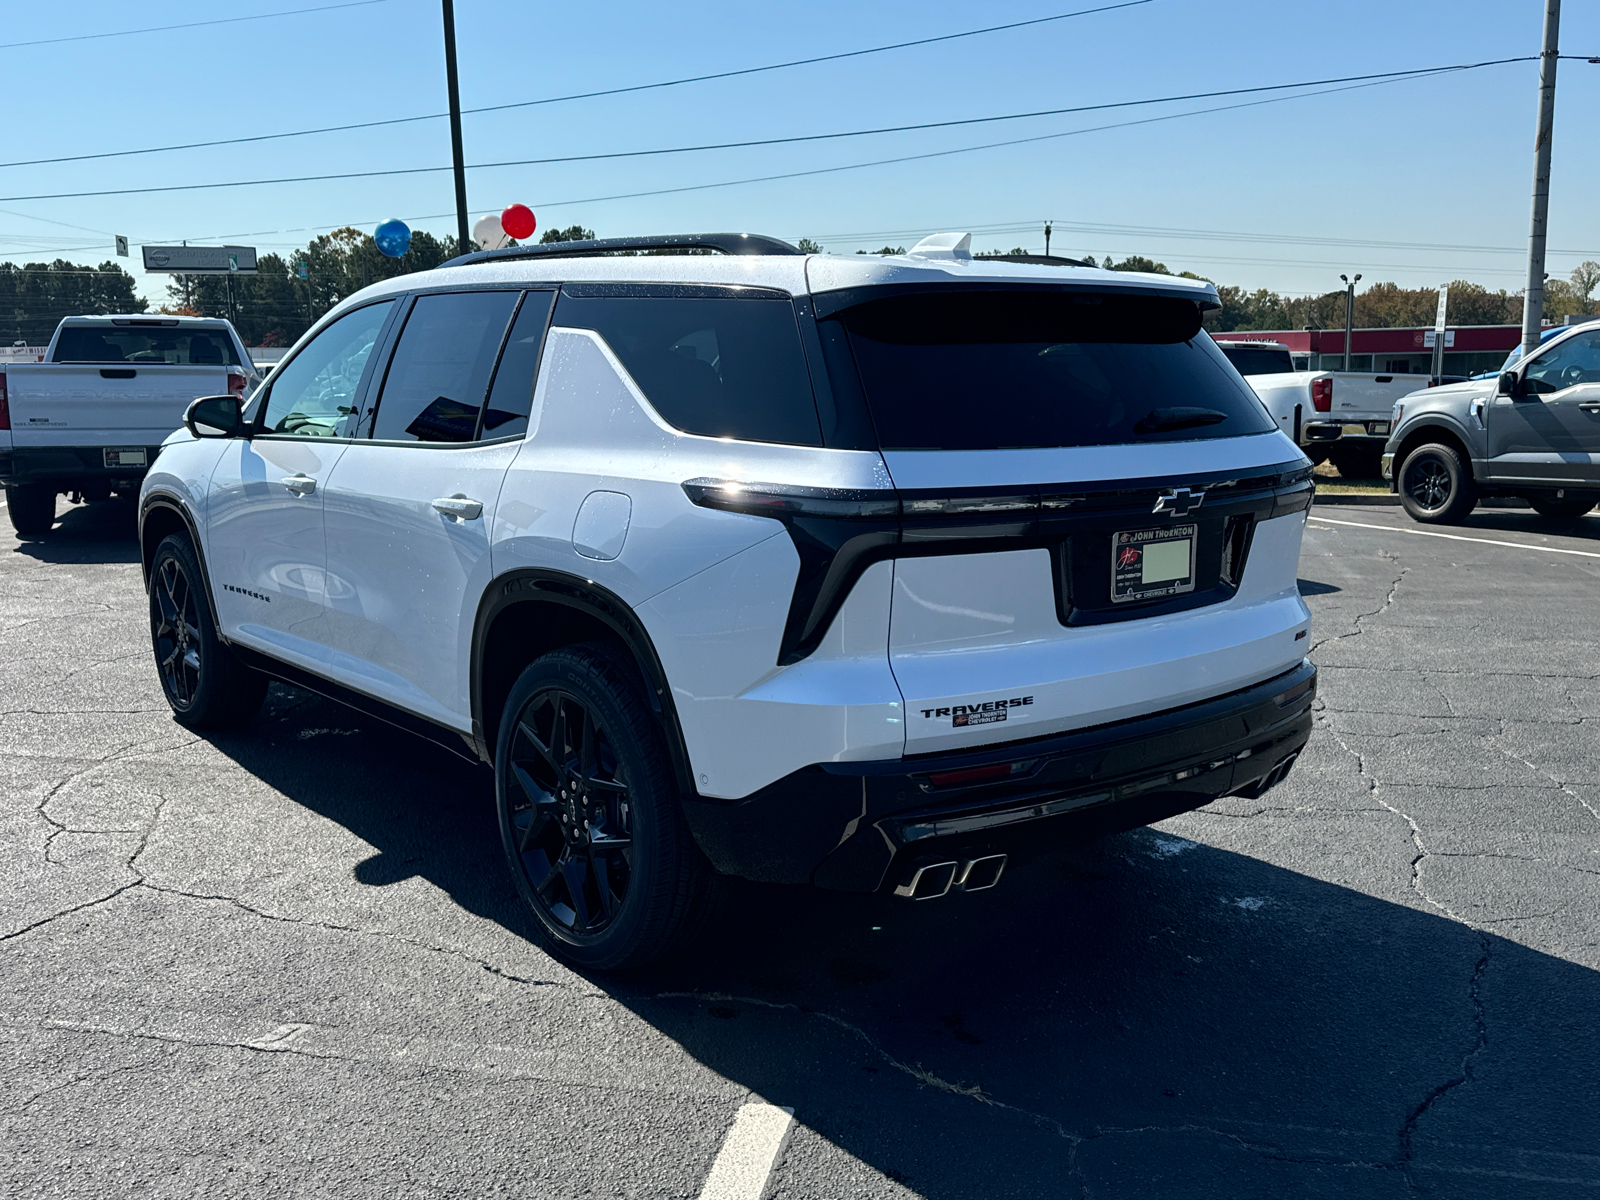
1236 196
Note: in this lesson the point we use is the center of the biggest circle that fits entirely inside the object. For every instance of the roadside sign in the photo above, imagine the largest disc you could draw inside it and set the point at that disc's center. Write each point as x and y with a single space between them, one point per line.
303 269
1441 338
1430 337
122 245
200 260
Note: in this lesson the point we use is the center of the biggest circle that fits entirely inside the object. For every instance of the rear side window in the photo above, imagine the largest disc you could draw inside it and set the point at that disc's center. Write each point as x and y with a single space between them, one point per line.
180 347
995 370
721 367
511 394
439 374
1254 360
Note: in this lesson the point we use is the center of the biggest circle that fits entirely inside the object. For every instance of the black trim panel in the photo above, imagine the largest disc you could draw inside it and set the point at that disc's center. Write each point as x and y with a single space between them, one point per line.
854 826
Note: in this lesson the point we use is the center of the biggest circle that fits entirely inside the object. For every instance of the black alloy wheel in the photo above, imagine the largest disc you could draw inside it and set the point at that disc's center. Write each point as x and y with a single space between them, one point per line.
203 680
589 813
175 629
1436 486
573 823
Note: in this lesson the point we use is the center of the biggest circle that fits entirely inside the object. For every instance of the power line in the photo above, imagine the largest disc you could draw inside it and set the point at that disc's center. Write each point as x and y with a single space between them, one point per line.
90 37
619 91
1357 80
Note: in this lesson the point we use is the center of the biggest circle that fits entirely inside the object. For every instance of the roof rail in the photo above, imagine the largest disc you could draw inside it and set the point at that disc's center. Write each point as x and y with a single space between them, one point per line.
1043 260
721 243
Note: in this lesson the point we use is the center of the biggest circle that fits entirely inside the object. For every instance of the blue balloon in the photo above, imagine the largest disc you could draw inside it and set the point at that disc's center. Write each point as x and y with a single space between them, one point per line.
393 238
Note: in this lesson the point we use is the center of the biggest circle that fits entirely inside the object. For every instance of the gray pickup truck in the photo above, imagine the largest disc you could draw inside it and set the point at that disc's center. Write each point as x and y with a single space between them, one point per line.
1532 431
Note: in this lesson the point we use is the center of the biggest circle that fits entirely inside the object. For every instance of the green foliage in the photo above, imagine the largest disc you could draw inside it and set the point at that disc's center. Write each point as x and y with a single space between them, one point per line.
1137 262
572 233
34 297
1000 253
886 250
807 246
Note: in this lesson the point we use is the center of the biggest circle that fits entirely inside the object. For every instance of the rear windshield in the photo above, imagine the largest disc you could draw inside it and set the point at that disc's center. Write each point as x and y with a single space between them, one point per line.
111 343
995 370
1256 360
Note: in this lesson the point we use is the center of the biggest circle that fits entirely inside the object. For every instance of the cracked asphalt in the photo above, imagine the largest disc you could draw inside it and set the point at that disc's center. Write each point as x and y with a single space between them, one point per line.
290 962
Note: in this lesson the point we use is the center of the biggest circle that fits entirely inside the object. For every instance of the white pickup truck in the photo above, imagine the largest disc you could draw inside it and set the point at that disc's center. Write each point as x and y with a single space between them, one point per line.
89 419
1340 417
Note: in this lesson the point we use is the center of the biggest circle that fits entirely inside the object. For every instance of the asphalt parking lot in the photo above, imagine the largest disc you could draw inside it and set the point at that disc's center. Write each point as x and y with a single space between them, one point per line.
290 961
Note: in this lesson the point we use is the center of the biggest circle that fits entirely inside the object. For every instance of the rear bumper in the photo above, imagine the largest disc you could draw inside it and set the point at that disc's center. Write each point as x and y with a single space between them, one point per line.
72 468
862 826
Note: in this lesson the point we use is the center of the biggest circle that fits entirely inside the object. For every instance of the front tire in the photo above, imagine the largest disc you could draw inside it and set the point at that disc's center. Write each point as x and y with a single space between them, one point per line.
589 814
204 682
1563 506
32 508
1436 486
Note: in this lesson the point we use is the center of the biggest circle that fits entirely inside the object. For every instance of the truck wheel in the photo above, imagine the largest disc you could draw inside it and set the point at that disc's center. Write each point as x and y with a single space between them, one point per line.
1559 506
203 680
1356 462
1436 487
32 507
589 814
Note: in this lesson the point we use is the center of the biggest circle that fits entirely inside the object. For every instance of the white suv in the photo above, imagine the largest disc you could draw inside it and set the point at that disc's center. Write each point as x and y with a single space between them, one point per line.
857 571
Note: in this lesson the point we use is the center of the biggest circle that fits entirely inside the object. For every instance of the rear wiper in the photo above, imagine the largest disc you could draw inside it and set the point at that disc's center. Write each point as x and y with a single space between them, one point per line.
1163 420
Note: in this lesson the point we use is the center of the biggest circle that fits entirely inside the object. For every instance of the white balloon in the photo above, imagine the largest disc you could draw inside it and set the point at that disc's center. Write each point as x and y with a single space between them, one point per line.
488 234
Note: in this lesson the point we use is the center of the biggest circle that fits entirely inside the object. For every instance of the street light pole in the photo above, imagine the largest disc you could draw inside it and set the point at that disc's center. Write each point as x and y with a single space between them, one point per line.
1533 297
1349 314
462 230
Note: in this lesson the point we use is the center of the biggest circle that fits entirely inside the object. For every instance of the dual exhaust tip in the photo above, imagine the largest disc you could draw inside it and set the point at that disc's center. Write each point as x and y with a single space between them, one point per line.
932 880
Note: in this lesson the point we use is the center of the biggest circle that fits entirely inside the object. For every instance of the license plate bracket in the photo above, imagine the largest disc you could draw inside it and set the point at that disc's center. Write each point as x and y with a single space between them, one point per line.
125 456
1147 564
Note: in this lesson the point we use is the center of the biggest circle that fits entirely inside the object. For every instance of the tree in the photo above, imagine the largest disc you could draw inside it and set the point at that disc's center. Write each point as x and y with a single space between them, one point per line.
1137 262
1585 278
572 233
34 297
807 246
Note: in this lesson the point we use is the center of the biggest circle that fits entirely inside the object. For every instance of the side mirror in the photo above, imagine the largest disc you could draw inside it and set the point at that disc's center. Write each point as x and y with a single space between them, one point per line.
1507 385
215 417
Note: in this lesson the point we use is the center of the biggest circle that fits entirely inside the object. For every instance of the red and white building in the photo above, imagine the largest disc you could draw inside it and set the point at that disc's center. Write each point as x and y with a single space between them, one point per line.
1468 349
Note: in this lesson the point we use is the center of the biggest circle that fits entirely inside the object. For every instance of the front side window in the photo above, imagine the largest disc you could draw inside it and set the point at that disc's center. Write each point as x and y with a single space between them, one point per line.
440 371
1574 361
1000 370
314 393
717 366
174 347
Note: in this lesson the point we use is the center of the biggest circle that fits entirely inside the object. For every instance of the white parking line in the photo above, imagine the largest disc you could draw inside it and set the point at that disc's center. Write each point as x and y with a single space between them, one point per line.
749 1153
1456 537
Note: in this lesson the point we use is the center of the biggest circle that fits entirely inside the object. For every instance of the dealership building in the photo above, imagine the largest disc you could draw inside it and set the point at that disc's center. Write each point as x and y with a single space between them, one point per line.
1468 349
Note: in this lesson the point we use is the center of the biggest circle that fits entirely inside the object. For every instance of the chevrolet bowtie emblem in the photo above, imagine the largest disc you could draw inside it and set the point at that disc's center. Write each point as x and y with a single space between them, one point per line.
1179 502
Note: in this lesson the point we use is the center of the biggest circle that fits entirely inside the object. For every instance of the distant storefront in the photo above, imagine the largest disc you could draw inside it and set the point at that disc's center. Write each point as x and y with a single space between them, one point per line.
1468 349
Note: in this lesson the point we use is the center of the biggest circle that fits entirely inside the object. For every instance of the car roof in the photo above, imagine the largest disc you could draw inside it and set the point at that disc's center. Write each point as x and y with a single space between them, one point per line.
145 320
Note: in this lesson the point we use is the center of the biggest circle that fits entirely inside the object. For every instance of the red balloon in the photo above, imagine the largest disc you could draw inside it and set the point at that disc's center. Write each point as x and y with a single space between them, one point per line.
517 221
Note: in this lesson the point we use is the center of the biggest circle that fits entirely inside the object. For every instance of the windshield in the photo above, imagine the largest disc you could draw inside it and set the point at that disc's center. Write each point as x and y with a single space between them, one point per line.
111 343
990 370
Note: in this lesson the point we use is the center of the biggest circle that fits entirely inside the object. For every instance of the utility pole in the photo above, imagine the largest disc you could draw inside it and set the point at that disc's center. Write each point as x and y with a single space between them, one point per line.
463 232
1047 239
1533 297
1349 314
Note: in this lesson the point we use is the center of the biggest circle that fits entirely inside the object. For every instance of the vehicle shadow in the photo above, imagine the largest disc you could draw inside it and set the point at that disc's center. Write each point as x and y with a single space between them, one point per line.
1139 1016
1525 520
104 531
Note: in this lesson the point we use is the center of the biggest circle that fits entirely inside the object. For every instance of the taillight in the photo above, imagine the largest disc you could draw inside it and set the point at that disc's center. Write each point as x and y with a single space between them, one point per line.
5 405
235 385
1322 395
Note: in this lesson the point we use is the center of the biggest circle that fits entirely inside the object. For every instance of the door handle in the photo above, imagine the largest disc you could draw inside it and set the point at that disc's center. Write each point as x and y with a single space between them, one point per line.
459 507
1590 405
300 484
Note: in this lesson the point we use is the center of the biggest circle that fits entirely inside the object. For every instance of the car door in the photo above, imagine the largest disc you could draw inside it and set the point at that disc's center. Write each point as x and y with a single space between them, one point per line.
1550 432
410 504
265 544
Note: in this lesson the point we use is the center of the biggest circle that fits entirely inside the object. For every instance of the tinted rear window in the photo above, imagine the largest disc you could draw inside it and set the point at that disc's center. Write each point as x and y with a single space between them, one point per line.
993 370
111 343
1253 360
721 367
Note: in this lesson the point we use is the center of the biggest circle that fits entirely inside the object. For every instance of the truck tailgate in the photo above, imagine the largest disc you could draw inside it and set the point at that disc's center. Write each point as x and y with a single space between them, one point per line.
1371 397
72 404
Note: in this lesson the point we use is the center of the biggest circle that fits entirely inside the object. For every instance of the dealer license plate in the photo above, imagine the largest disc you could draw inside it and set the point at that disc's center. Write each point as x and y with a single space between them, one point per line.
126 458
1149 563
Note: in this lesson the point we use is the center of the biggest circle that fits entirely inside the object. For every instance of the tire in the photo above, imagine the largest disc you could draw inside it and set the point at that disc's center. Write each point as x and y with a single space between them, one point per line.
1436 487
577 717
203 680
1356 462
1563 506
32 507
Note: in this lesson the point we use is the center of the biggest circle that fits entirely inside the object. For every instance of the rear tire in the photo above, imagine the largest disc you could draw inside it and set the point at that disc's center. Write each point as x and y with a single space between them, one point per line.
1436 486
1566 507
32 507
203 680
589 814
1356 462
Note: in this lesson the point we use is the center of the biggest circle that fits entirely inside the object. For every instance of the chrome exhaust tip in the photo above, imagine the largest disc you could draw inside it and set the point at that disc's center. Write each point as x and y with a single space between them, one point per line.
929 882
981 874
